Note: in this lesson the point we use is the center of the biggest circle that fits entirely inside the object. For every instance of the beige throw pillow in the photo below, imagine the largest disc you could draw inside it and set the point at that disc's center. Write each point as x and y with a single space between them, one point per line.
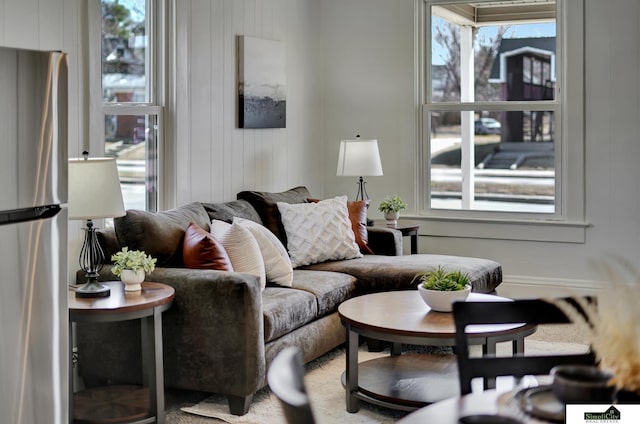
242 248
277 264
318 232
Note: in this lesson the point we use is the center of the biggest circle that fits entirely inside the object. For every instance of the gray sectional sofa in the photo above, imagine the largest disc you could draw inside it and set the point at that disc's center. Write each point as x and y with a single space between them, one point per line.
222 331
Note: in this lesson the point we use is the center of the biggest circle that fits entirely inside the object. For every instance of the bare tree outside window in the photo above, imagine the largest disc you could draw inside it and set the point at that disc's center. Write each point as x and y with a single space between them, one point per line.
448 35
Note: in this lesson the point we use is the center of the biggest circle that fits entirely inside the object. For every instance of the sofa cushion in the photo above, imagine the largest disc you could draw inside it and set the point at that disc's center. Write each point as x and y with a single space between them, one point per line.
318 232
200 250
227 210
377 273
159 234
329 288
286 309
265 205
242 248
277 265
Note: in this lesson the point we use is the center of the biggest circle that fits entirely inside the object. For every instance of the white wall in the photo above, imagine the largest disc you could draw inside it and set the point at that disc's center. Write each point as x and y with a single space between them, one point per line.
369 74
368 86
49 25
214 160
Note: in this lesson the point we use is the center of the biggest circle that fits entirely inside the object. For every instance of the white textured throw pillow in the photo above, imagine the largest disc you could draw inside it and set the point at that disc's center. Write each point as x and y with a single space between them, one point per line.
318 232
277 264
242 248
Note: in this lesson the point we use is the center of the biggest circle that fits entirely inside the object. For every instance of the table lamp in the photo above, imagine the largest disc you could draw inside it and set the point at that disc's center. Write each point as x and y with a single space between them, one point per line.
359 158
94 193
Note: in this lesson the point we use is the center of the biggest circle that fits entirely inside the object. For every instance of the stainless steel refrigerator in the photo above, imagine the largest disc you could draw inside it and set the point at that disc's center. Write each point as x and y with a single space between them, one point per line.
34 370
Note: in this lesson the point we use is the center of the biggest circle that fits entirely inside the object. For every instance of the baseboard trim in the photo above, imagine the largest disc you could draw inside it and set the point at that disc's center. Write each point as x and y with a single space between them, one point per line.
518 286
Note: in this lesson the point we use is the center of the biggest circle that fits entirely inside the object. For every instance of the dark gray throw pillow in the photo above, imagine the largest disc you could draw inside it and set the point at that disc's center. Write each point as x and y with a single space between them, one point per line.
227 210
160 234
265 204
108 241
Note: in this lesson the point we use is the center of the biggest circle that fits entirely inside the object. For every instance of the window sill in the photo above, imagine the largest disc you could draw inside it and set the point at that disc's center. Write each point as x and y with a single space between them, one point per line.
511 229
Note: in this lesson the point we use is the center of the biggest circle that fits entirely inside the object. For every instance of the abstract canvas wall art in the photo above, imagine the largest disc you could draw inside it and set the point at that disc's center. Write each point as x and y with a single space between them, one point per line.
262 99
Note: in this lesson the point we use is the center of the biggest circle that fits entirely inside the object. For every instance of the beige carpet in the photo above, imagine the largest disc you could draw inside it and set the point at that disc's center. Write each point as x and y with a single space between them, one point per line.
326 391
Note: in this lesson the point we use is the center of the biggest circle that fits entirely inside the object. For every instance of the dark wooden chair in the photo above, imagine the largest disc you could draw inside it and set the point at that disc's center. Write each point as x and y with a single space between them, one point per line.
286 380
529 311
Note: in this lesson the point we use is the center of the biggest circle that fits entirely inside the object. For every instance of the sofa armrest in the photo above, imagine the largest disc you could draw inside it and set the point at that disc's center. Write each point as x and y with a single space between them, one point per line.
385 241
213 336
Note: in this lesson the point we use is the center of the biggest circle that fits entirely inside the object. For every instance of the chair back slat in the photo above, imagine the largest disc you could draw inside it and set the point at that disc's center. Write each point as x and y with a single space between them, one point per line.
526 311
286 380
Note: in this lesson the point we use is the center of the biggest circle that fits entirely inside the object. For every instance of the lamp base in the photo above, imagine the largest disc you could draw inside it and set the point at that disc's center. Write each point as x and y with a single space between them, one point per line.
92 289
91 260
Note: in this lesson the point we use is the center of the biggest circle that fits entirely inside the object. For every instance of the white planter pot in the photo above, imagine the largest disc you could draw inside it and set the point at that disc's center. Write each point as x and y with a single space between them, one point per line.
442 301
392 218
132 279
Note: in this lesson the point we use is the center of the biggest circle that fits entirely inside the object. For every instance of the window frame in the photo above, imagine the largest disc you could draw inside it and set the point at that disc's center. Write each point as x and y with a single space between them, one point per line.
567 224
156 71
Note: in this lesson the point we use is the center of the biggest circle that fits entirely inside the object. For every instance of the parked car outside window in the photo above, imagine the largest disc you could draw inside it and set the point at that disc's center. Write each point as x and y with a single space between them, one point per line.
487 126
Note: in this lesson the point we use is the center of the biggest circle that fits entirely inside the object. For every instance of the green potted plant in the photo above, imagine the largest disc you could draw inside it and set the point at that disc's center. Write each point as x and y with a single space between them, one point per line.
132 266
391 206
440 288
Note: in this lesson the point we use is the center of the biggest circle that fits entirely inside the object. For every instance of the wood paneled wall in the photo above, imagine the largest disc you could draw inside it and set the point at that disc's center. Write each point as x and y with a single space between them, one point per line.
213 158
50 25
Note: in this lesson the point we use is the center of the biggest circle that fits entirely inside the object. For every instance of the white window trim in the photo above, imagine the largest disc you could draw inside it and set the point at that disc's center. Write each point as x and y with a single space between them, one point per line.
156 30
568 224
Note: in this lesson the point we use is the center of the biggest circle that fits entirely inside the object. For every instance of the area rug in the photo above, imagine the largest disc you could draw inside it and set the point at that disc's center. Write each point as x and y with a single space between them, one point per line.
323 381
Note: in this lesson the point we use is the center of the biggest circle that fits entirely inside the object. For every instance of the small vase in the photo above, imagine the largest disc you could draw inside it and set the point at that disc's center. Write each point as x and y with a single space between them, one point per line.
391 218
132 279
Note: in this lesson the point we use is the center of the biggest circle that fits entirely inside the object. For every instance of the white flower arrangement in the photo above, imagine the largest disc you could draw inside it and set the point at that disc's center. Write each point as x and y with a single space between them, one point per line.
132 259
392 204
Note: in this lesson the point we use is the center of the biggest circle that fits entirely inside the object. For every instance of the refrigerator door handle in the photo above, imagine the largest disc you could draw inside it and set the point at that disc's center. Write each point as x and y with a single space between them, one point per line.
28 214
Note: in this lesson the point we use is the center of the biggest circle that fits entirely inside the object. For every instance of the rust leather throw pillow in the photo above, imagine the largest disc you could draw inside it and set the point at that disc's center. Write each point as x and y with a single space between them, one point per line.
358 217
200 250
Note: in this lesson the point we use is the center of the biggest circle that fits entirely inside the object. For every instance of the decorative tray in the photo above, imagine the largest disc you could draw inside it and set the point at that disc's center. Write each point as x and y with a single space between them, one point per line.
540 402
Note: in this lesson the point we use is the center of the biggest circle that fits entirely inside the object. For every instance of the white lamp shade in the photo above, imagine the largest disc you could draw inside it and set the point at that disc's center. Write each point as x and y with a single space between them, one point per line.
359 158
94 189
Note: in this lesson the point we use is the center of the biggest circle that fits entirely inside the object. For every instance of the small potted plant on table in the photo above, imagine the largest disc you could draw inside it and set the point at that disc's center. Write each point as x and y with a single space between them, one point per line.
132 266
440 288
391 206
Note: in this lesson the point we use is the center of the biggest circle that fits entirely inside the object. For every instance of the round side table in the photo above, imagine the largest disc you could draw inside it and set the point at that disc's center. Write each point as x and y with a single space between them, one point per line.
118 404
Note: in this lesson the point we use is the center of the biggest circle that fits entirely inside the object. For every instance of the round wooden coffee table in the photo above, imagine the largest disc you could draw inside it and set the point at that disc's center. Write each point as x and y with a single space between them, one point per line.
411 381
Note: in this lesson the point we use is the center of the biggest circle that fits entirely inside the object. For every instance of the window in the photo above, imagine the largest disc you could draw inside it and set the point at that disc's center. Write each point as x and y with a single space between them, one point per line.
130 115
502 119
493 110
